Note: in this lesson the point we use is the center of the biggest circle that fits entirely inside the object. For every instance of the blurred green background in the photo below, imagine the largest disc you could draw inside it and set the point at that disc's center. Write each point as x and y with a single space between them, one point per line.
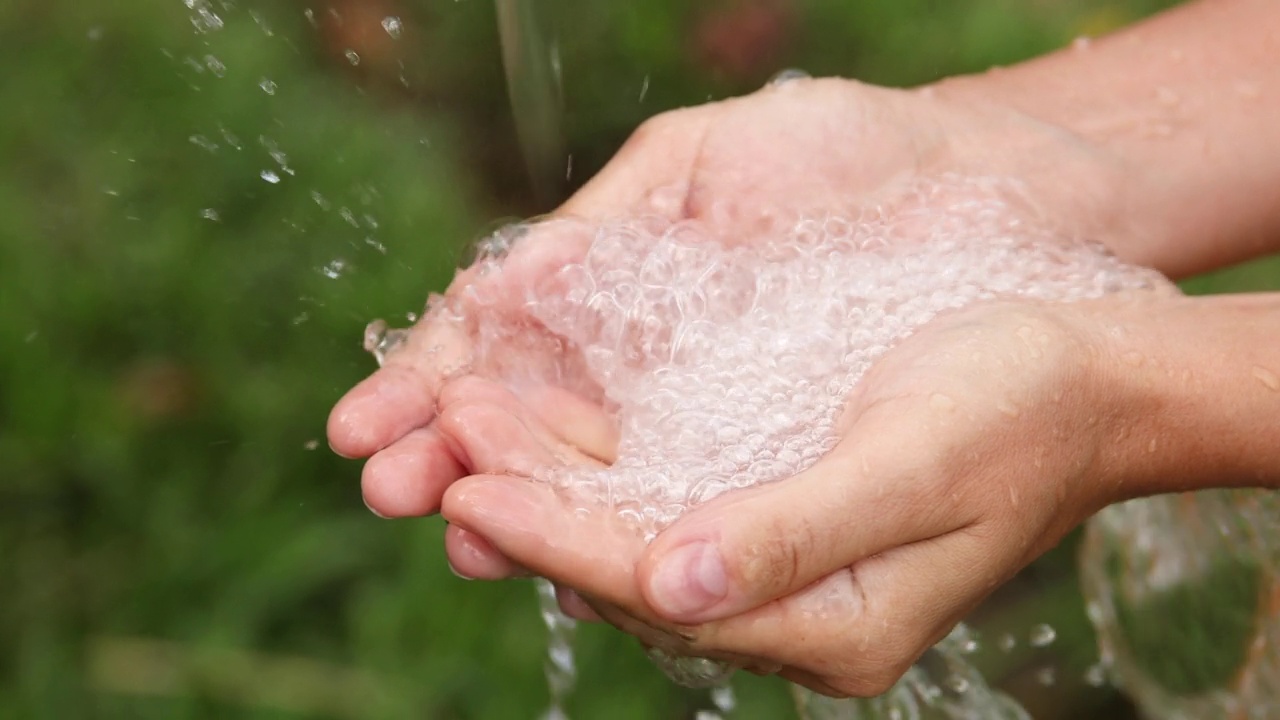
203 203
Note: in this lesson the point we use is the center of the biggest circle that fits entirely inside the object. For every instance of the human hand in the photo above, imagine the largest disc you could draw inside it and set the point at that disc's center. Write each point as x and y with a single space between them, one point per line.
966 452
743 167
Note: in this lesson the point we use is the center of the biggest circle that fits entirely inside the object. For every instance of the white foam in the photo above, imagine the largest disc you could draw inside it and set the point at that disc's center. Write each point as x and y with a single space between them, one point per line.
728 363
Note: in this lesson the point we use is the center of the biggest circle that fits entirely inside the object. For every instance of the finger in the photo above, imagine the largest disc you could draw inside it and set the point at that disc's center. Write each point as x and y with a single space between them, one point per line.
572 604
491 437
556 416
588 550
575 420
408 478
875 491
472 557
400 396
877 620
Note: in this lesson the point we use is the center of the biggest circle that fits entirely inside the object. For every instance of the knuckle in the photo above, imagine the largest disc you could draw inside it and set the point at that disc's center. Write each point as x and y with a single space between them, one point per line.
776 561
655 126
460 390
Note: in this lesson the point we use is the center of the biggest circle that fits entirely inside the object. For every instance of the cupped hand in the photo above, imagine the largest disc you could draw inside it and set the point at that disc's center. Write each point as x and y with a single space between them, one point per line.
744 167
965 452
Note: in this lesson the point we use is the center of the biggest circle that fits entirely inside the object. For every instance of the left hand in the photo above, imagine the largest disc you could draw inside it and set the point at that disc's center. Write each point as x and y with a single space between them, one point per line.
966 452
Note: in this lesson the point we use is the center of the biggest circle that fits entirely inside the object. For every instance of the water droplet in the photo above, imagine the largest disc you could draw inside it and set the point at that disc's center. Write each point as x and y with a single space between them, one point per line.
230 138
268 86
215 66
1007 643
958 684
261 23
352 57
320 200
334 269
270 176
788 76
210 214
203 18
1096 675
496 245
276 153
1247 90
1042 636
1267 378
1008 407
312 444
644 88
942 403
1046 676
393 26
311 17
203 142
724 699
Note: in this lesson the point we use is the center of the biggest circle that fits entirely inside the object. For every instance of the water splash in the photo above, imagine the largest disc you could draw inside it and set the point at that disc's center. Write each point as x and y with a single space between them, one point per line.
943 685
1205 563
203 18
382 340
560 668
534 86
788 76
392 26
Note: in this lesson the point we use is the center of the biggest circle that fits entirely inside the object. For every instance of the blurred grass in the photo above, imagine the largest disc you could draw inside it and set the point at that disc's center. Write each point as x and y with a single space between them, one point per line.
176 541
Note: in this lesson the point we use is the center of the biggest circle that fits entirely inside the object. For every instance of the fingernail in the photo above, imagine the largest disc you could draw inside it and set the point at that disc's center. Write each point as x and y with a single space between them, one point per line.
689 580
375 512
454 570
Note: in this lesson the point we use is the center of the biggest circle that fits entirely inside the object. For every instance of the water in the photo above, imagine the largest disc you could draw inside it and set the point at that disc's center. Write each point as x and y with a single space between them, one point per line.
1207 565
726 365
944 685
534 87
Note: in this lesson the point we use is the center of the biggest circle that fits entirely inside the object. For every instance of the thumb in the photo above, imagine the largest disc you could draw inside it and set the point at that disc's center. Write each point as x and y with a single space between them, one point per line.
749 548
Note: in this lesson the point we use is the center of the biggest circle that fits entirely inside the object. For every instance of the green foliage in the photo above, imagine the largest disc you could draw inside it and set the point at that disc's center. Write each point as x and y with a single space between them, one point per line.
176 540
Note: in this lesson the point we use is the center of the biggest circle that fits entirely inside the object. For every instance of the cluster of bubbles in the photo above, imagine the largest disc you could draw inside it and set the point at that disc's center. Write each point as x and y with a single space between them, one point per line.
727 358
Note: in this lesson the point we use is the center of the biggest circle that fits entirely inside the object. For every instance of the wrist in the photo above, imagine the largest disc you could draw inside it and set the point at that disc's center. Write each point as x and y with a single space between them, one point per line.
1078 184
1181 113
1190 389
